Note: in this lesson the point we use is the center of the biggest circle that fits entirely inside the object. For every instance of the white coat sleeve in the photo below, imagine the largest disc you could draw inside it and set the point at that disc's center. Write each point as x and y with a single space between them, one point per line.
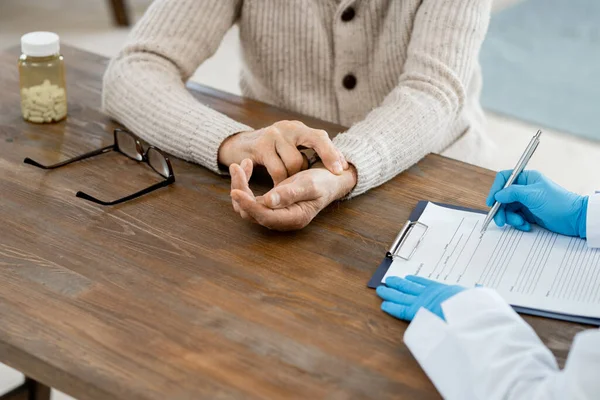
593 221
486 351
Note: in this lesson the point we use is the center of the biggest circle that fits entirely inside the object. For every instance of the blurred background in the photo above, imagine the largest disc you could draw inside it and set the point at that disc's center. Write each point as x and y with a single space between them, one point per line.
541 62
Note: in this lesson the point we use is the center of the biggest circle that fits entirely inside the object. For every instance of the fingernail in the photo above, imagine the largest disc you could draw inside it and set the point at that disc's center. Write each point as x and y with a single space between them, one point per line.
275 199
344 163
337 168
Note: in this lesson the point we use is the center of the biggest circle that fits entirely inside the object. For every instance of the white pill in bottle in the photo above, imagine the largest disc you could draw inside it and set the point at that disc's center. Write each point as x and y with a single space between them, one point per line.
42 78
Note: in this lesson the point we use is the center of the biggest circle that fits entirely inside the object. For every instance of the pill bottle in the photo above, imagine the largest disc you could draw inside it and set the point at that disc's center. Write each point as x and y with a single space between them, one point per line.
42 78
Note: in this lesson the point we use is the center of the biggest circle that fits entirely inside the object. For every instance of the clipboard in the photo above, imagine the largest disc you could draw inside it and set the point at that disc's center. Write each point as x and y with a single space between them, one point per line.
399 245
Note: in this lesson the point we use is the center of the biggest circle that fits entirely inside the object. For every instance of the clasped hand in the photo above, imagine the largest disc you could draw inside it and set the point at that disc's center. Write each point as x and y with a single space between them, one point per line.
293 203
299 193
276 147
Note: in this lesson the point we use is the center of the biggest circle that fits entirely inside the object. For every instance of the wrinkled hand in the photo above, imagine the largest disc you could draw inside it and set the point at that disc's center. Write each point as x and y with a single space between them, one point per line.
294 202
276 147
402 298
534 198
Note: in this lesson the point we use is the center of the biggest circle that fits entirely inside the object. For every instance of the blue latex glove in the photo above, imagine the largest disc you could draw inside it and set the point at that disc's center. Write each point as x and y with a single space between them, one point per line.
402 298
533 198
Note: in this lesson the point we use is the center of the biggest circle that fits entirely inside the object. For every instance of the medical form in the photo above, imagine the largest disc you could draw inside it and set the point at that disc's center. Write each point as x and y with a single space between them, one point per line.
537 269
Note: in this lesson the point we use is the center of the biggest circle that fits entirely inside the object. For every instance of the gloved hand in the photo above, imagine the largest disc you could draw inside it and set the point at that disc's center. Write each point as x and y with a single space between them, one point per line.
402 298
535 198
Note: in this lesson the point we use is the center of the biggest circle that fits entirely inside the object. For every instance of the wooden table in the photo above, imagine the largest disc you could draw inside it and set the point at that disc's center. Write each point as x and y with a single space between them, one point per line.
173 295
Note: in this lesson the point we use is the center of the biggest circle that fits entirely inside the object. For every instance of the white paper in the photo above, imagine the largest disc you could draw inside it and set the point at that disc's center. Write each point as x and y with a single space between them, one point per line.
537 269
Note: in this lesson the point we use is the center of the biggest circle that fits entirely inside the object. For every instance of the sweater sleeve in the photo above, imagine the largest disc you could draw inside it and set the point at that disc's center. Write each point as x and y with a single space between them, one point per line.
144 86
431 93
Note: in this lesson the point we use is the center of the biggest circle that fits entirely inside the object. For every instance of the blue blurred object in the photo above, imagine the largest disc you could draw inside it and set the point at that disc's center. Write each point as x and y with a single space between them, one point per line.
541 63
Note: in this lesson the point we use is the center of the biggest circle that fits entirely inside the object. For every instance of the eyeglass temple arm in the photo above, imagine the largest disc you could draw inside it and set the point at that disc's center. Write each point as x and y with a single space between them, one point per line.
166 182
71 160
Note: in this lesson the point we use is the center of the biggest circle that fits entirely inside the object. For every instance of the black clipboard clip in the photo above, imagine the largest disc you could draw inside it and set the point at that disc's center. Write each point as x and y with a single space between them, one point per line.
399 242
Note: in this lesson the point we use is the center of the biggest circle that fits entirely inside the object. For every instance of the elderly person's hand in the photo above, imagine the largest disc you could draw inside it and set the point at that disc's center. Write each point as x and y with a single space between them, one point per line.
294 202
276 147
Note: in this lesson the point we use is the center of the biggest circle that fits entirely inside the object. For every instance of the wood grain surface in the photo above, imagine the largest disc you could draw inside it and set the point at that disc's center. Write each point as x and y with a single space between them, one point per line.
173 296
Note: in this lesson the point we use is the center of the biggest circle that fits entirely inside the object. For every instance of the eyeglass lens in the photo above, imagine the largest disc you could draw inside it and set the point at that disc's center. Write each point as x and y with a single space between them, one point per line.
127 145
158 162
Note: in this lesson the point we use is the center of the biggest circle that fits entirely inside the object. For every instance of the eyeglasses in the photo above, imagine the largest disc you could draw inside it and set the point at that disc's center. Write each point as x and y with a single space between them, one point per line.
130 145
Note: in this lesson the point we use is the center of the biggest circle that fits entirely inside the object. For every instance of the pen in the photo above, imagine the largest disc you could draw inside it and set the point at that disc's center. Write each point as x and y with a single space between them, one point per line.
521 164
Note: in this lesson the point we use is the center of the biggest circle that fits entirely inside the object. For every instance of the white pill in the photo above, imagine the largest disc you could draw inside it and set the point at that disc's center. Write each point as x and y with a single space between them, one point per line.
38 107
39 120
42 101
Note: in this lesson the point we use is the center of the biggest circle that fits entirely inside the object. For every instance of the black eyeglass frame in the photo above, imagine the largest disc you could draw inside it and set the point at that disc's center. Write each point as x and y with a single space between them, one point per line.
115 147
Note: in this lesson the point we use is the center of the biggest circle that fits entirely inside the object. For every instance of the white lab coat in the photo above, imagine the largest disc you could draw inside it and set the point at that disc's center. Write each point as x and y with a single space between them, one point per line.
484 350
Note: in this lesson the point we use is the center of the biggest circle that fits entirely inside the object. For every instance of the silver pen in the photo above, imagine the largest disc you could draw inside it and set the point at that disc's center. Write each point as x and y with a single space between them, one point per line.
535 141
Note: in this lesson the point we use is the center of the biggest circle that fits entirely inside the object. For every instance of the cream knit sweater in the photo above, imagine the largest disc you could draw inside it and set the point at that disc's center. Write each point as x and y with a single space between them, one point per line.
404 74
